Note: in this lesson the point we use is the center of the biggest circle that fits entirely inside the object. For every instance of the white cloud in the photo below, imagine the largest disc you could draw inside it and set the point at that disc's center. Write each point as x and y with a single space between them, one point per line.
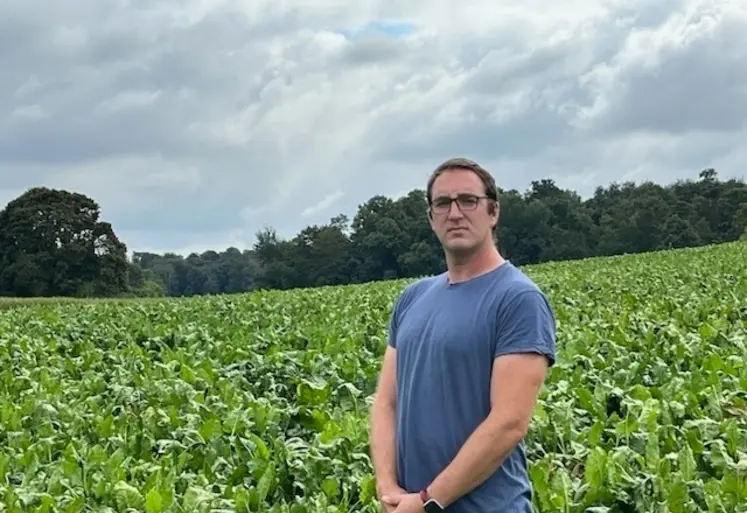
322 205
195 123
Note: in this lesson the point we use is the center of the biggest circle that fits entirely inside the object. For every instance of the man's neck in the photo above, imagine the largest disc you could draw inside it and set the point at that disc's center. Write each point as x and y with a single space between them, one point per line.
481 262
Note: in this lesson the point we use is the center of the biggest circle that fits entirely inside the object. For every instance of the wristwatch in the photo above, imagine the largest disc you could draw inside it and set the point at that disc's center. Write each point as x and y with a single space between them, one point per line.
430 505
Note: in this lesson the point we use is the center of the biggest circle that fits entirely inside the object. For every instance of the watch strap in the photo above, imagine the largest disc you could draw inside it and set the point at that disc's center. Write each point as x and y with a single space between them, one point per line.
430 505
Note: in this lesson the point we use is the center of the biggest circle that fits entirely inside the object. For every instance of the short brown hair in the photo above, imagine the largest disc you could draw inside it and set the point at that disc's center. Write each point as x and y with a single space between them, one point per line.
491 189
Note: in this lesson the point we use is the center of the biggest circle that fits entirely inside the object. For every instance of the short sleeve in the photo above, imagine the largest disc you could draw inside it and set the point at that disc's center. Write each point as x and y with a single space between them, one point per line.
526 324
392 329
394 318
400 305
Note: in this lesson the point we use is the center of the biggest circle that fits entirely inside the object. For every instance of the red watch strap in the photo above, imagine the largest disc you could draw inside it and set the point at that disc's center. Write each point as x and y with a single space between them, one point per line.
424 495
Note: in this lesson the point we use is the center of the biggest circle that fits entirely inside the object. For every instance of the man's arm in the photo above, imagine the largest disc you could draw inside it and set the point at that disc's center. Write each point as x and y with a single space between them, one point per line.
525 341
517 380
382 427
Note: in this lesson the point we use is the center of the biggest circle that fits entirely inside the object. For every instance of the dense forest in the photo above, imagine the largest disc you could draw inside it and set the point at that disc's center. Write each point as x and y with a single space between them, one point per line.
53 242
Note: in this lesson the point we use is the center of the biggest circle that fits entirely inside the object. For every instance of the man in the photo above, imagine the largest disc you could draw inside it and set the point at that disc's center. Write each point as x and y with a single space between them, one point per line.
467 356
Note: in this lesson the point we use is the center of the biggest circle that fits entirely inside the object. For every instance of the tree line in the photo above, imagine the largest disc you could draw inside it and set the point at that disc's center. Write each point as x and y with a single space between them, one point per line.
53 242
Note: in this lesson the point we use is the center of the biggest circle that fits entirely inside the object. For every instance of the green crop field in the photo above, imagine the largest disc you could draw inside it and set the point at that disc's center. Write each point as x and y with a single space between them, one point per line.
259 402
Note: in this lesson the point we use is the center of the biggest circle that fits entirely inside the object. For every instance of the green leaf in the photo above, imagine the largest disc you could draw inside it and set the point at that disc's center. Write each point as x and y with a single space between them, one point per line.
153 502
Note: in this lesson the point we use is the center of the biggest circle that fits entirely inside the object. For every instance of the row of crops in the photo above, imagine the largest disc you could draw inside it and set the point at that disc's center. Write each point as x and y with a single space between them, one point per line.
259 402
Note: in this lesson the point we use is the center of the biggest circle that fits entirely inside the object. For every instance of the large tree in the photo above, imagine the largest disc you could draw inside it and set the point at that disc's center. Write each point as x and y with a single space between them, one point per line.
52 243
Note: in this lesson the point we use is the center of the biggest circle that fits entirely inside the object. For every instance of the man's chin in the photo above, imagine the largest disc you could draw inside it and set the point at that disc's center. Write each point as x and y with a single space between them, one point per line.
460 247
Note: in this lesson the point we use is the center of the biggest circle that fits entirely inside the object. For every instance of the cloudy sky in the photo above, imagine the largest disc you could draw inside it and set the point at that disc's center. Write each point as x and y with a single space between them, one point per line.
194 123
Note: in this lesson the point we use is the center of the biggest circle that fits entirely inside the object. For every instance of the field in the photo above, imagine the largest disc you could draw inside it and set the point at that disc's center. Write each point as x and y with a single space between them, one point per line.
259 402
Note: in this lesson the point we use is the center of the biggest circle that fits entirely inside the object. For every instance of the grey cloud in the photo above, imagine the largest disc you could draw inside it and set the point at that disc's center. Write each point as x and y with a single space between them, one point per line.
506 70
696 87
193 125
207 69
695 84
371 50
680 97
515 139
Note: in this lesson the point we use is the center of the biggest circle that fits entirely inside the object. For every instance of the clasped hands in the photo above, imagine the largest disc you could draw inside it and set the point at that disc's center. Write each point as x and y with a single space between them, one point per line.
402 502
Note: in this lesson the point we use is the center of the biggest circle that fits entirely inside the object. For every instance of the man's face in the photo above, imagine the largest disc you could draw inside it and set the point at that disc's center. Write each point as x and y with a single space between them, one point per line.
461 230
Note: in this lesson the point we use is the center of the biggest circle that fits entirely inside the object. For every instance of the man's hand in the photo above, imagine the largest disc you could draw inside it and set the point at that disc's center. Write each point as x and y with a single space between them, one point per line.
387 496
404 503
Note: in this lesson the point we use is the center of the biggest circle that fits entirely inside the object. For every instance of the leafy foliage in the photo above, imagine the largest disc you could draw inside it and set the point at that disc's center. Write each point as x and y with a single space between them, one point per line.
392 239
259 402
52 243
388 238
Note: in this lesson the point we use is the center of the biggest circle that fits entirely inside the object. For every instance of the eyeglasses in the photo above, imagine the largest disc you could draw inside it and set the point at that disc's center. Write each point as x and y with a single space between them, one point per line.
464 201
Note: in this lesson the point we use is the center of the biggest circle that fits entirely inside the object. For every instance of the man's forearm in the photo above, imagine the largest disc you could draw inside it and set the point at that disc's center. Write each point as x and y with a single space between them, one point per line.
383 446
482 453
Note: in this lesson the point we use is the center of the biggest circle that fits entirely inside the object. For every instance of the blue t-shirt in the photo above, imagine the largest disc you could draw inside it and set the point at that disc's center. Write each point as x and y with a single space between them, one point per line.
446 337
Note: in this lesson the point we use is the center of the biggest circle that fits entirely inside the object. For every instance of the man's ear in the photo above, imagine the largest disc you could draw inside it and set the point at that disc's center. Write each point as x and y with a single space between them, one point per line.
430 219
496 213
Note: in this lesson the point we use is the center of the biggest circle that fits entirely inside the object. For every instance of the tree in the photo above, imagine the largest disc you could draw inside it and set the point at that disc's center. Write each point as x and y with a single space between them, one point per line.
52 243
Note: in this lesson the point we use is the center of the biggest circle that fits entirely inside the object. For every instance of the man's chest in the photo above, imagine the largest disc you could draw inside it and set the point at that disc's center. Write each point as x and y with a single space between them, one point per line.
447 332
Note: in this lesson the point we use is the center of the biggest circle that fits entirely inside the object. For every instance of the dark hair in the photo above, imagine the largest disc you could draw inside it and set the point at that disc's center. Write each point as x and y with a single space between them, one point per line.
491 189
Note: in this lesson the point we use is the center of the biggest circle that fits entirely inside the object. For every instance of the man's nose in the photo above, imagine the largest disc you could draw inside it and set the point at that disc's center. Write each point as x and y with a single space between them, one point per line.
454 210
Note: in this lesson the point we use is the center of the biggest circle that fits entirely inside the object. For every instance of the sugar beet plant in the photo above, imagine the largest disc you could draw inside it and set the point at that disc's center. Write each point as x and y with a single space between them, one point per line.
259 402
